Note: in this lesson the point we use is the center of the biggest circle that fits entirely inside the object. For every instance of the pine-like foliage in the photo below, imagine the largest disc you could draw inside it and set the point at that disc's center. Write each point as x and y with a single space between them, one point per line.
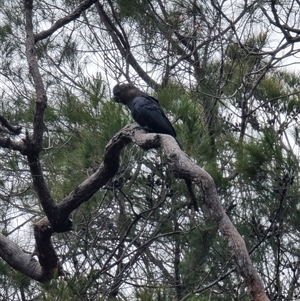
235 109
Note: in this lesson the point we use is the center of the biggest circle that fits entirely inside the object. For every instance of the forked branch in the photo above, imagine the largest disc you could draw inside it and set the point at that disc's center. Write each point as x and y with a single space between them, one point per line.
183 167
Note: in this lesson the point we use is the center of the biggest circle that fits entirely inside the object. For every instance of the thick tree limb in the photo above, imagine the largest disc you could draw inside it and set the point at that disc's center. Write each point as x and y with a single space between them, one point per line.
45 251
7 142
13 130
105 172
184 167
41 97
65 20
41 188
20 261
49 266
34 143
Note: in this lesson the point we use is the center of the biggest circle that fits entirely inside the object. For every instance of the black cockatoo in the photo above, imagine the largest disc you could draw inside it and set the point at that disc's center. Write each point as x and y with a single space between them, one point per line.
147 112
145 109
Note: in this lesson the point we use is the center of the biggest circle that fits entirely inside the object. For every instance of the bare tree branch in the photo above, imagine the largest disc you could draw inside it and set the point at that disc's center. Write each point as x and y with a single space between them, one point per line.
105 172
34 143
277 22
14 130
41 97
41 187
184 167
13 145
20 261
45 251
65 20
124 48
48 266
284 28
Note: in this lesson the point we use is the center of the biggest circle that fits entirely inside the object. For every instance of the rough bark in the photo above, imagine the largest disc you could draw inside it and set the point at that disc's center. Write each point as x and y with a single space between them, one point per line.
20 261
182 166
41 97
